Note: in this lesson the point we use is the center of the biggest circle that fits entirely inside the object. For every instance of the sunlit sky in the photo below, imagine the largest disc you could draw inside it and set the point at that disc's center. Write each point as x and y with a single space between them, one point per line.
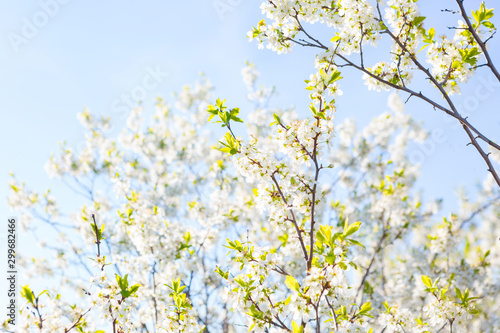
90 53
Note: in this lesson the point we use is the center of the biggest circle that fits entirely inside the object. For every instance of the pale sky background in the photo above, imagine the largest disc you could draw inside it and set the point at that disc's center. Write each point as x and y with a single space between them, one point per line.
92 52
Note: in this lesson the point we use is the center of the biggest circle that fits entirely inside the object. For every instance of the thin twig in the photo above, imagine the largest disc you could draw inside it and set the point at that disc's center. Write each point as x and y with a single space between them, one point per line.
477 38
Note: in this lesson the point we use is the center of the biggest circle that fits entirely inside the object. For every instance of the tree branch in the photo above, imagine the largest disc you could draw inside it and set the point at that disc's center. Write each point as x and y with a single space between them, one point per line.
481 44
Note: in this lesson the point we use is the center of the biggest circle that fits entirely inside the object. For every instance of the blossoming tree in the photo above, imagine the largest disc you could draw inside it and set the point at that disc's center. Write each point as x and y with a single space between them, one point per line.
290 223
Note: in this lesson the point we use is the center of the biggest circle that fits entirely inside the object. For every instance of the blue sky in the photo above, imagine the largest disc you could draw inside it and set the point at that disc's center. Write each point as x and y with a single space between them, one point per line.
90 53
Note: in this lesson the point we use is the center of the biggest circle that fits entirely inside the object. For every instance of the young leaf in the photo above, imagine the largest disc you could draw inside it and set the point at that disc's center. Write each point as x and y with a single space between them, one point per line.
297 328
349 230
291 283
27 294
427 281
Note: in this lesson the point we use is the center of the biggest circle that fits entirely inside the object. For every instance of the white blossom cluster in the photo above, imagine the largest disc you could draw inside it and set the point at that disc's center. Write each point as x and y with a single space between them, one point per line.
356 23
441 311
186 323
110 304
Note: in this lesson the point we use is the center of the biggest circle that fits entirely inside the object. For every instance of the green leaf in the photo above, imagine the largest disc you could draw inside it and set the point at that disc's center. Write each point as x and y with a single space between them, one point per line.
355 242
488 14
431 34
122 283
418 20
283 239
231 146
366 307
219 271
349 230
27 294
475 15
459 294
292 283
427 281
330 258
323 74
297 328
467 247
488 24
335 76
442 293
276 121
335 39
176 284
219 103
365 310
134 288
423 47
324 234
387 307
234 112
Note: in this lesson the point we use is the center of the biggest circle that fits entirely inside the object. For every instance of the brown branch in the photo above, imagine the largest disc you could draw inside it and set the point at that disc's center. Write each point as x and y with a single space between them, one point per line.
77 321
333 311
454 111
481 44
372 260
294 220
280 324
478 211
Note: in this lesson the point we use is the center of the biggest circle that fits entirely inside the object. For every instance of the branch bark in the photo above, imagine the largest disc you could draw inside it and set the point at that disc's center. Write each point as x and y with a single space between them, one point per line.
479 42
